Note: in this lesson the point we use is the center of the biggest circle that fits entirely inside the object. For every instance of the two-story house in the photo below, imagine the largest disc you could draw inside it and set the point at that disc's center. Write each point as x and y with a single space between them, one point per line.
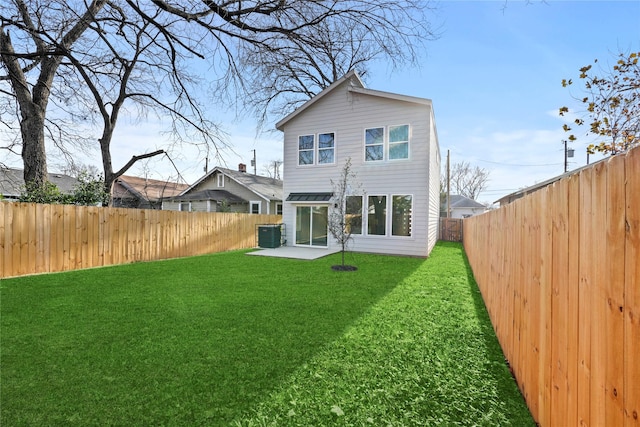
392 142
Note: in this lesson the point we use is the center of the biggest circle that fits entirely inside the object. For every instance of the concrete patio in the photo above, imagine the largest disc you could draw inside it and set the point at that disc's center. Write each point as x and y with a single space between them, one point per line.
295 252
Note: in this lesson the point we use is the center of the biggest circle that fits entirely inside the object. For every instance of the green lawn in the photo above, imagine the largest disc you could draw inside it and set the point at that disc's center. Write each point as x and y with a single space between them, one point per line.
229 339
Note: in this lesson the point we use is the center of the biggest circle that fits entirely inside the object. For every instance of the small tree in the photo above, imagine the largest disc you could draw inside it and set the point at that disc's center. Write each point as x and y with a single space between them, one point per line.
339 221
612 105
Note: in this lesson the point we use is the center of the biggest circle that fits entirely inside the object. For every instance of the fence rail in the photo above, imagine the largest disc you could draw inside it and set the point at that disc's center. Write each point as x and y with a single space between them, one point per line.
37 238
559 271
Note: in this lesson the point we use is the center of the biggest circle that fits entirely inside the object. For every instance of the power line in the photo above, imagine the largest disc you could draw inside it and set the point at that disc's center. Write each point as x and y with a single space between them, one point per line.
513 164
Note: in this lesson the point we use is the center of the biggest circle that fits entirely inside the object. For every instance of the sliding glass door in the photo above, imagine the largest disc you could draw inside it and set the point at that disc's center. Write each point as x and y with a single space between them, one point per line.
311 225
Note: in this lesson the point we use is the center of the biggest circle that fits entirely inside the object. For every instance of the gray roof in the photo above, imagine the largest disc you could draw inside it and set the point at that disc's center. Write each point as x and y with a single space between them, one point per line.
12 182
263 186
458 201
217 195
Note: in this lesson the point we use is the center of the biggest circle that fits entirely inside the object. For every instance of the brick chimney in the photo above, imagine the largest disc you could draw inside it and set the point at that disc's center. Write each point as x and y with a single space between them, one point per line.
242 167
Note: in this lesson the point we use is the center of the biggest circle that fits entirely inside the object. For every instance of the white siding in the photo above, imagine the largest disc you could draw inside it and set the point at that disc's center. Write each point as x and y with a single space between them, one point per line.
348 114
434 186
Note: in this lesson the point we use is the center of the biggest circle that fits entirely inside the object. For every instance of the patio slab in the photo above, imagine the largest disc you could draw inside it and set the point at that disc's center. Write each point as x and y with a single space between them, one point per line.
295 252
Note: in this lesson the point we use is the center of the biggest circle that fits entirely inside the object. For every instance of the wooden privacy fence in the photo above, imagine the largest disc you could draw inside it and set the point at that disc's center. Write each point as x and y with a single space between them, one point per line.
559 271
37 238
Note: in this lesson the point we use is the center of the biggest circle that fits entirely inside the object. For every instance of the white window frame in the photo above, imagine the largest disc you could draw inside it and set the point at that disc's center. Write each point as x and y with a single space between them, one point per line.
180 204
386 216
279 207
389 143
382 144
316 150
252 203
220 180
362 215
386 144
411 216
332 149
312 150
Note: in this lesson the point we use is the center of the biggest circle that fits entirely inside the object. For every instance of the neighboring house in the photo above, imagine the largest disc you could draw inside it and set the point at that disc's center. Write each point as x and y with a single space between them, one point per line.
142 193
462 207
505 200
224 189
12 183
392 142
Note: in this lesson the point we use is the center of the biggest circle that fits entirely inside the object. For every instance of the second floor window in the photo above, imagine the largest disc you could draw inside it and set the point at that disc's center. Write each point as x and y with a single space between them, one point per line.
326 144
390 143
306 149
374 144
398 142
317 149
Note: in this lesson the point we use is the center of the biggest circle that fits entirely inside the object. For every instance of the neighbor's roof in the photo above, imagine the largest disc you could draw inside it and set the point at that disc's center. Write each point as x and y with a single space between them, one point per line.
12 182
217 195
263 186
148 189
458 201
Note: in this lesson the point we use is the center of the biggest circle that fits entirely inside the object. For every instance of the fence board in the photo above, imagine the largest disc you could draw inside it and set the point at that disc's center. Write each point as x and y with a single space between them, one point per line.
573 285
614 296
632 292
559 303
38 238
598 329
559 271
584 298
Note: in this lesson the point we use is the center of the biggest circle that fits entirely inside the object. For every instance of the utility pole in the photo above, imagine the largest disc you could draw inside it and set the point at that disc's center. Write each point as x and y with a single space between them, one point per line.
568 152
253 162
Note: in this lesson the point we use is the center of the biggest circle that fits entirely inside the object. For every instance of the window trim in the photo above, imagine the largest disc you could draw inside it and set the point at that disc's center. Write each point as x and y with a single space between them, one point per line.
365 145
279 205
220 177
316 149
312 150
386 216
412 216
333 149
362 221
386 144
184 203
255 202
389 143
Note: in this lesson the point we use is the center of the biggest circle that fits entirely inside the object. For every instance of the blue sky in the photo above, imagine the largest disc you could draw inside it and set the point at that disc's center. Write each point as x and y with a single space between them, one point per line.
494 76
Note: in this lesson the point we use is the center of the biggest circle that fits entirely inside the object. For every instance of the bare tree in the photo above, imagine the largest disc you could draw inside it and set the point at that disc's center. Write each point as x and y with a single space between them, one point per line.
287 69
339 223
32 95
80 62
466 180
120 60
272 169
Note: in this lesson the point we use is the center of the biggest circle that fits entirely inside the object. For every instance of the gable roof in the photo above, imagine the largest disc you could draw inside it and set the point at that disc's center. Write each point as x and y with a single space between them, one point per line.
356 86
12 182
147 189
265 187
217 195
354 80
458 201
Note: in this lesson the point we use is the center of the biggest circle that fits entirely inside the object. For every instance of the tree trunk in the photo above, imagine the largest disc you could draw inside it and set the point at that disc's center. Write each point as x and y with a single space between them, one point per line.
34 155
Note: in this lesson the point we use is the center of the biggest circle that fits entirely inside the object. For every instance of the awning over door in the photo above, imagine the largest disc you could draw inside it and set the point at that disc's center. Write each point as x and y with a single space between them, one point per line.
309 197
